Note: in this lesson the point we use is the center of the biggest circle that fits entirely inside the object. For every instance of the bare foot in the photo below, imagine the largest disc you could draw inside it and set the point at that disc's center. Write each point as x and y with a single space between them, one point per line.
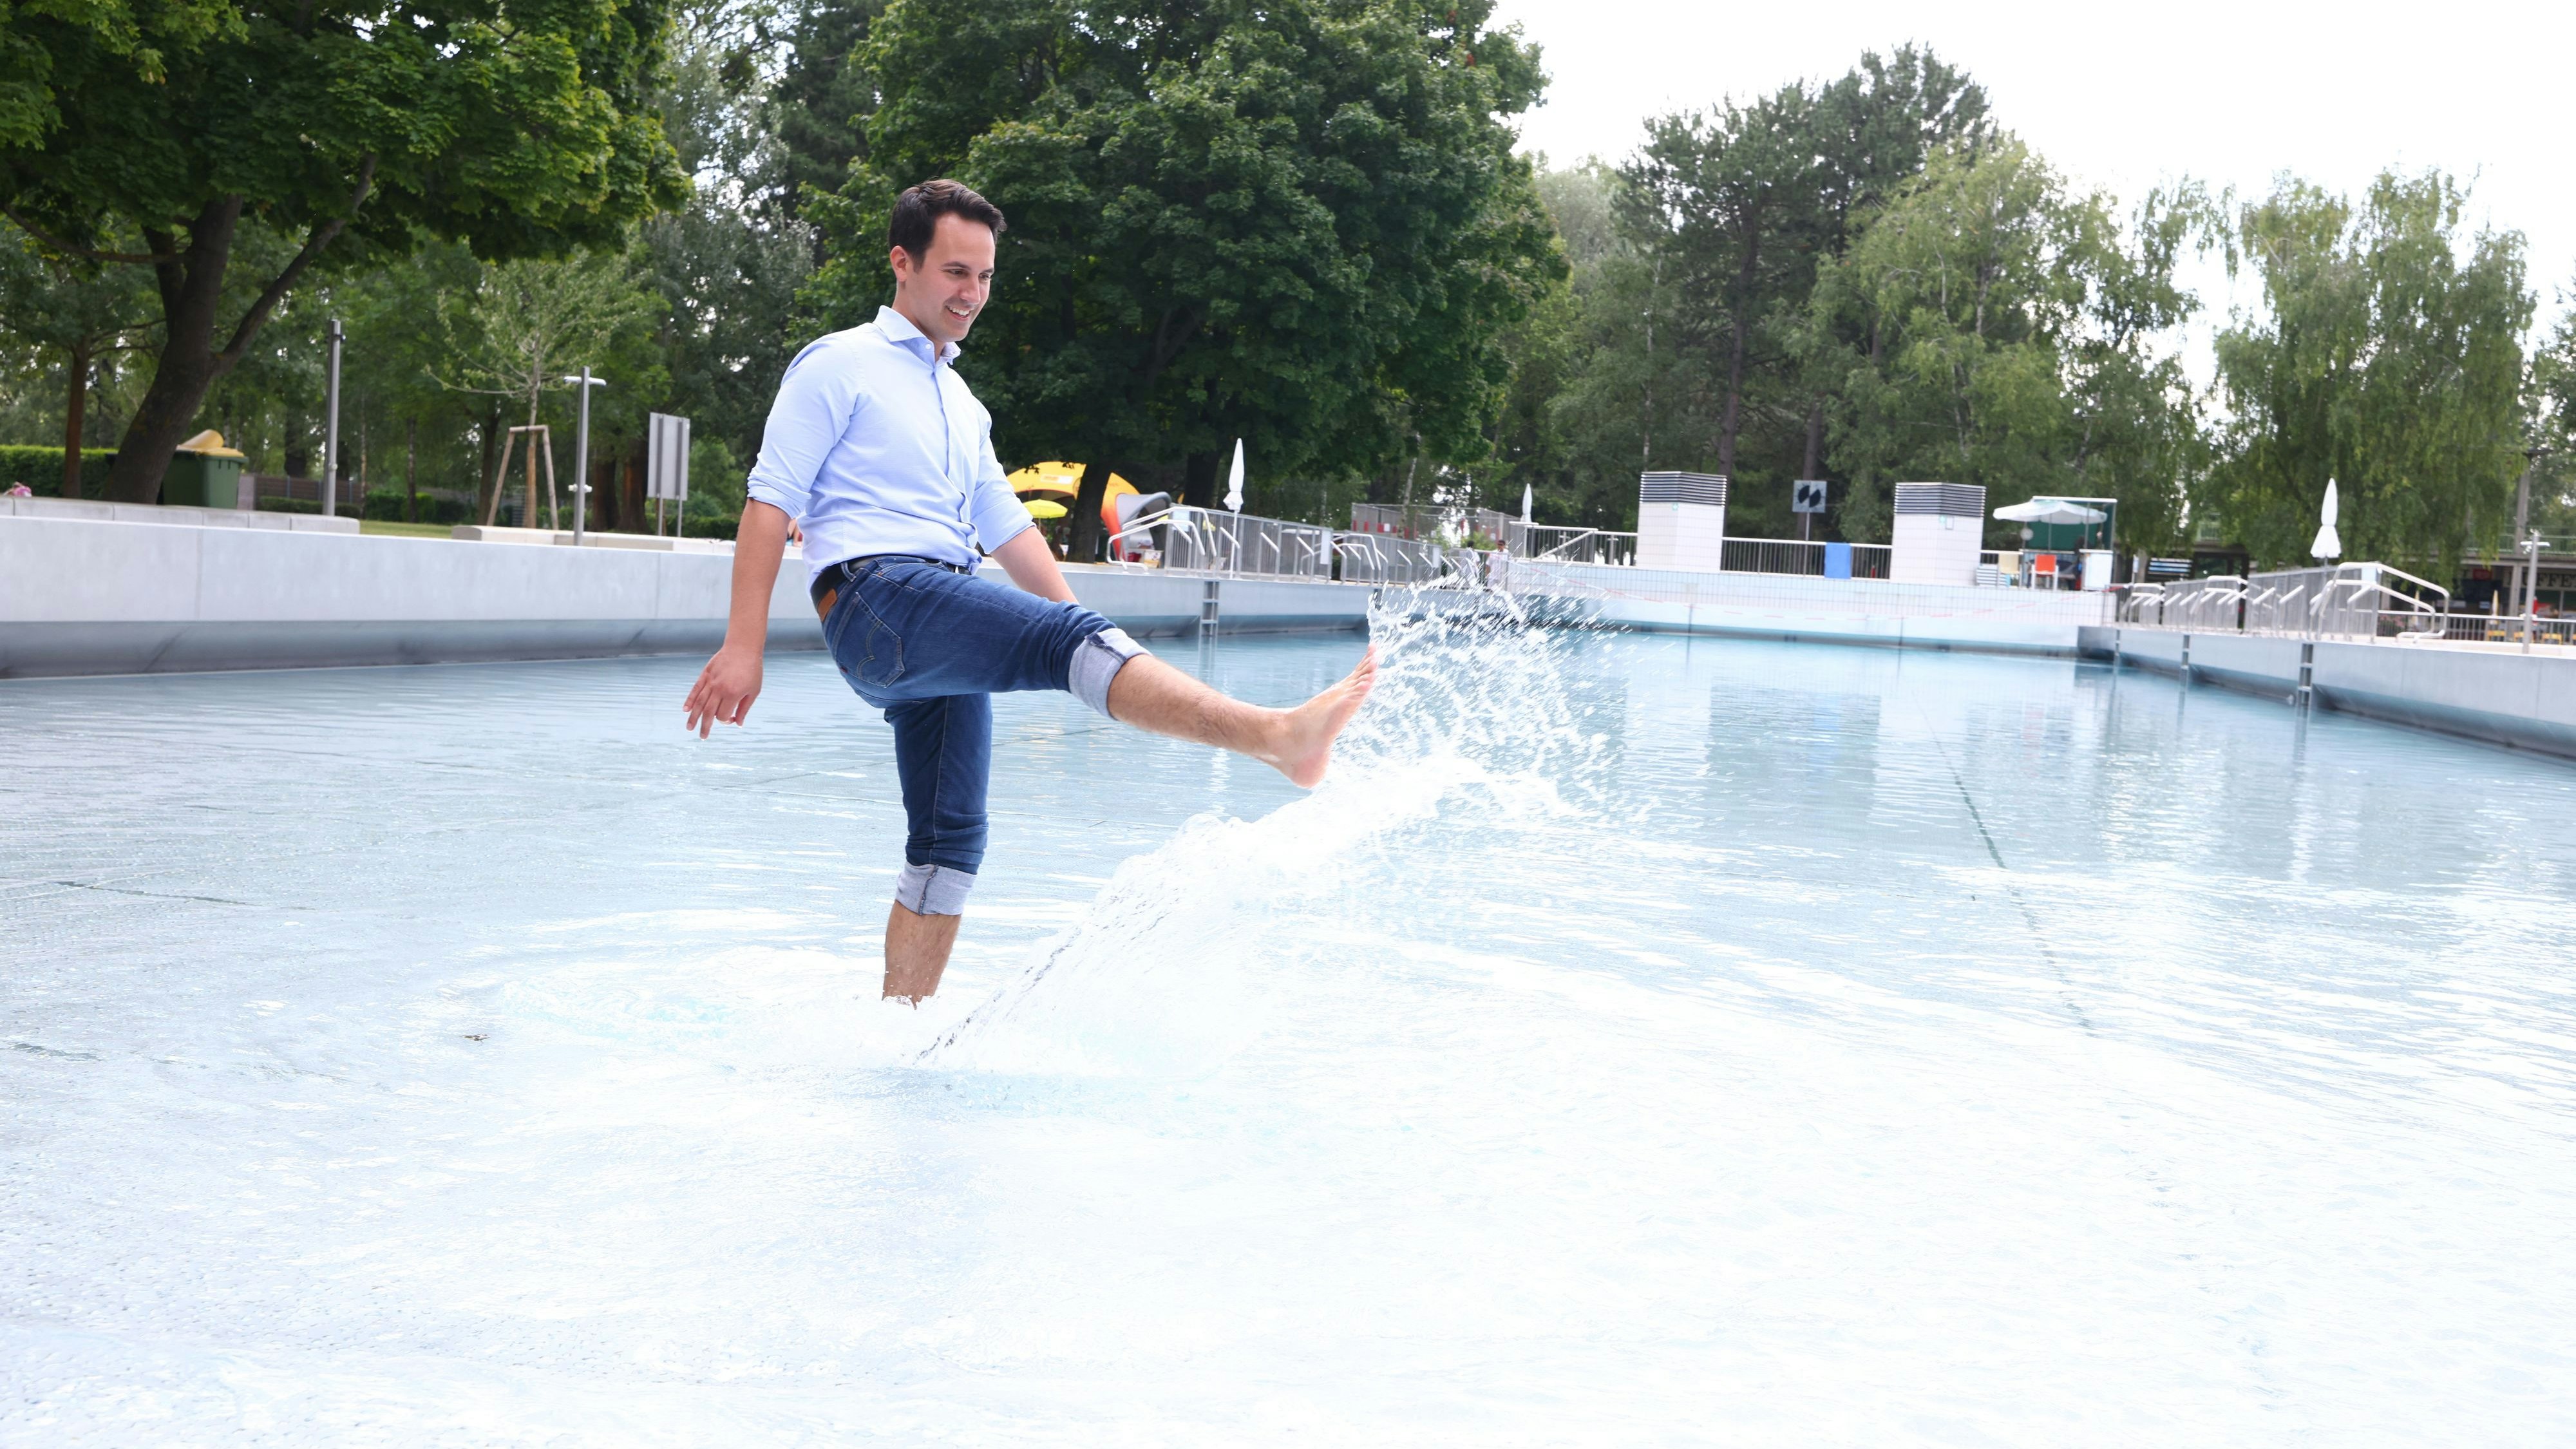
1305 743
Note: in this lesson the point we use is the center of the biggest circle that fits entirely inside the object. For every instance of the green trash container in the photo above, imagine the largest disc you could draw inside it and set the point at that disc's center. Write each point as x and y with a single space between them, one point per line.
203 474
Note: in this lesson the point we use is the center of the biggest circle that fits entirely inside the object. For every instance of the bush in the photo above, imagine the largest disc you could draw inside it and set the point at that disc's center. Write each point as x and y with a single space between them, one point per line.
41 469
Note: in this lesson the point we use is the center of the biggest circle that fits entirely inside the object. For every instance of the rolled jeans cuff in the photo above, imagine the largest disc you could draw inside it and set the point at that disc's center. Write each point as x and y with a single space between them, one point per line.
1096 662
933 890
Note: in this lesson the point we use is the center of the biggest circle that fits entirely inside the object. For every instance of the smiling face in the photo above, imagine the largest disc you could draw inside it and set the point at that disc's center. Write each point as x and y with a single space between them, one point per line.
943 289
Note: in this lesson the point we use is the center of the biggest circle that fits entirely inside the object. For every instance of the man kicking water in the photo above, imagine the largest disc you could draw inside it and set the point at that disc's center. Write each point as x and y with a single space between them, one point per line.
877 446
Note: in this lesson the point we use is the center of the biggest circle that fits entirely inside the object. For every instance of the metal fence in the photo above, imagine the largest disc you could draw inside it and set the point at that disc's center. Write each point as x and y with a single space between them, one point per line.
1572 544
1798 556
2352 601
1207 540
1432 522
2556 630
1381 558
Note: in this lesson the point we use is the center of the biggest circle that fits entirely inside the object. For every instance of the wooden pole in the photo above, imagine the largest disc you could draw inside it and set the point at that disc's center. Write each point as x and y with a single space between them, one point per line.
554 512
492 506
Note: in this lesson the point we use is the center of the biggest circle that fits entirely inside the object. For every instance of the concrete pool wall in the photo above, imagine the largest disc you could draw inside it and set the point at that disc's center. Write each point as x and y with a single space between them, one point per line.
102 595
2494 693
1819 610
92 591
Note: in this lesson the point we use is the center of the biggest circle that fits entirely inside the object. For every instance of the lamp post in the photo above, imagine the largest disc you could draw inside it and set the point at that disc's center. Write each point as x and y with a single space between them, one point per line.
331 430
581 453
2529 548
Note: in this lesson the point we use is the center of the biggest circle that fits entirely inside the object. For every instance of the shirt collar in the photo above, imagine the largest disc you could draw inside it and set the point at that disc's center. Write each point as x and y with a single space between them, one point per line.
898 328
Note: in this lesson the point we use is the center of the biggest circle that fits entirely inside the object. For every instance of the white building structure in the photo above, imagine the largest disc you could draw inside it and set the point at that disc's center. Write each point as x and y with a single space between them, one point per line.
1681 521
1940 527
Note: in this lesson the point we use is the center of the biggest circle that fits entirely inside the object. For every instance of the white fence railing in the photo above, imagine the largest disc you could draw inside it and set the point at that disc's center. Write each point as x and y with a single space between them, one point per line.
2351 601
1380 558
1798 556
1215 541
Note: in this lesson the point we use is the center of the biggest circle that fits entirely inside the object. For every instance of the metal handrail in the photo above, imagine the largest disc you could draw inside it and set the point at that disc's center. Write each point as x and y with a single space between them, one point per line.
1143 524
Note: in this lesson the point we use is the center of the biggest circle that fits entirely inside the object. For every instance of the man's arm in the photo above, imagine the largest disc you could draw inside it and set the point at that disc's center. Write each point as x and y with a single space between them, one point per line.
1031 565
731 680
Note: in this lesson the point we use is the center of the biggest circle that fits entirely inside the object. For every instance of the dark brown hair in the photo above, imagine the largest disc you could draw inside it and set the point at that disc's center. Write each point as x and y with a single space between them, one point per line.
918 210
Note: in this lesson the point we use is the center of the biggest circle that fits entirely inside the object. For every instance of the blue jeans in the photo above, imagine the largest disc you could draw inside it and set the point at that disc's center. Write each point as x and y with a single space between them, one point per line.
931 648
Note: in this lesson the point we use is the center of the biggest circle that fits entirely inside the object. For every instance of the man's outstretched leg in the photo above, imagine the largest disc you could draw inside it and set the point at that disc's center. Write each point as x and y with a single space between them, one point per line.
1298 742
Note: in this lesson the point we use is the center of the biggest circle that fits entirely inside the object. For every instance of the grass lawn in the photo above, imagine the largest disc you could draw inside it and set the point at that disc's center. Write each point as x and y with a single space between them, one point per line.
399 529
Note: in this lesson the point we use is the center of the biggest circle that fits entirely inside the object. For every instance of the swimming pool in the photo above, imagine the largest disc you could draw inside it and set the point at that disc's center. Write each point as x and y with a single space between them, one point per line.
1639 1040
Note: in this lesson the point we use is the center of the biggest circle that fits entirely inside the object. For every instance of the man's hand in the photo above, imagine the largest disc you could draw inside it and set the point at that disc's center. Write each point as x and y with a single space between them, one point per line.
725 689
731 680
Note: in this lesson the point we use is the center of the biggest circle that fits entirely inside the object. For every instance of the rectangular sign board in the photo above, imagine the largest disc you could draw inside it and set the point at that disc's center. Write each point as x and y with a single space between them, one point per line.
666 457
1807 495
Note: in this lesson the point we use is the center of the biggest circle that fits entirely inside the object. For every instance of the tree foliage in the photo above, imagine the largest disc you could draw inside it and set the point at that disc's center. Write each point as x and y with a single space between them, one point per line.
2386 355
2007 327
1697 343
520 128
1296 223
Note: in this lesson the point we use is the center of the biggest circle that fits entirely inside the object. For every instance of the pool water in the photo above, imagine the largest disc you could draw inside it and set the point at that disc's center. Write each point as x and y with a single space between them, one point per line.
1638 1040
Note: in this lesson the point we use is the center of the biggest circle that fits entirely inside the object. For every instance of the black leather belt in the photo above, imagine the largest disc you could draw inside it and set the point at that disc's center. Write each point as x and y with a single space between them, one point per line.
837 574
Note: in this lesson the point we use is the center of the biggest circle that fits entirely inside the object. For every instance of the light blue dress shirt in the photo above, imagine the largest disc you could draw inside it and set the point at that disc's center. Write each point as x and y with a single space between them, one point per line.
875 445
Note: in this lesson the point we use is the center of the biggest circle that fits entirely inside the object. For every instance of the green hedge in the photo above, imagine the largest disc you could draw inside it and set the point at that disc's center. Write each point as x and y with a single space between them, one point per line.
388 503
41 469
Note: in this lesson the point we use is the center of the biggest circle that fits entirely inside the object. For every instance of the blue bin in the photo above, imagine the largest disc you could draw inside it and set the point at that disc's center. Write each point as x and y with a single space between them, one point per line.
1837 560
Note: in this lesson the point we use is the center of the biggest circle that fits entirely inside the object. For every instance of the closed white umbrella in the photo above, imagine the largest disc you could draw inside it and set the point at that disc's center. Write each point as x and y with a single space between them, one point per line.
2329 544
1234 482
1525 503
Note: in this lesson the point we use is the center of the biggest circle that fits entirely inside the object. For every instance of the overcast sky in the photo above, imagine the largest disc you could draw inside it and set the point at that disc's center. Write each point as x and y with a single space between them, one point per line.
2124 97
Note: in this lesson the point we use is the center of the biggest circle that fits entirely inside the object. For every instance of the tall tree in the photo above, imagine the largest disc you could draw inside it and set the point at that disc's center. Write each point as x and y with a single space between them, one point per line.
1698 346
1296 223
728 263
522 129
77 312
527 321
2386 355
1877 127
2009 334
821 103
2552 444
1729 195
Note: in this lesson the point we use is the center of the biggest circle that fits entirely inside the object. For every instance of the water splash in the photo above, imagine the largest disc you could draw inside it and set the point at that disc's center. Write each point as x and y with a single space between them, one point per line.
1474 717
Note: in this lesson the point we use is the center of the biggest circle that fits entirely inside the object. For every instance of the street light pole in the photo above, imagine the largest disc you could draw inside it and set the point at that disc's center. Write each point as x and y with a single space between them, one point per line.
331 431
581 453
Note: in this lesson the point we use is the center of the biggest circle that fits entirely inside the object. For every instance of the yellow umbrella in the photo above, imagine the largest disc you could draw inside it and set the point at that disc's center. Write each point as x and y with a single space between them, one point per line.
1064 478
1043 509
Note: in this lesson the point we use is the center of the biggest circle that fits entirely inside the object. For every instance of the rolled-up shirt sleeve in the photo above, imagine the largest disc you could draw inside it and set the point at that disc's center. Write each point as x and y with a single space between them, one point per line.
815 404
999 514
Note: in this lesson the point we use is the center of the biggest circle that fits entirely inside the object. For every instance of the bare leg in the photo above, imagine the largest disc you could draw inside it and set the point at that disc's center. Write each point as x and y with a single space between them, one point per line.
1298 743
916 951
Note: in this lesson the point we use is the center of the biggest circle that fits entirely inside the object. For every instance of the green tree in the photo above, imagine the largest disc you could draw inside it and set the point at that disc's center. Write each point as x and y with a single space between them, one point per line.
1696 345
77 312
729 263
1728 197
1296 223
2009 342
527 321
2553 428
519 130
820 105
2386 355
